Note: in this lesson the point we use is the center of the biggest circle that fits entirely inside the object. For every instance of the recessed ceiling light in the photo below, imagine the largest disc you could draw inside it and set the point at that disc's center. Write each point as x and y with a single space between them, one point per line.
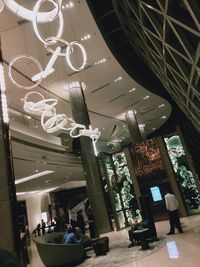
133 89
36 170
69 5
163 117
162 105
146 97
86 37
118 79
31 177
100 61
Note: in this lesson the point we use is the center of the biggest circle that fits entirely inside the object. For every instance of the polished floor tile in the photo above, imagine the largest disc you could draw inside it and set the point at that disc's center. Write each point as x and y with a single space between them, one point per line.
181 250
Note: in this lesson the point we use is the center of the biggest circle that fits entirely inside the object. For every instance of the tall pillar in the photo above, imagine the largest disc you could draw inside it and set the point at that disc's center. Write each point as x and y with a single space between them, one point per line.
133 127
93 177
9 237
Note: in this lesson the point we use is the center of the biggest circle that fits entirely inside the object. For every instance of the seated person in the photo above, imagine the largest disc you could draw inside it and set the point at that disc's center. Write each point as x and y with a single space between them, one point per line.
86 241
70 237
137 226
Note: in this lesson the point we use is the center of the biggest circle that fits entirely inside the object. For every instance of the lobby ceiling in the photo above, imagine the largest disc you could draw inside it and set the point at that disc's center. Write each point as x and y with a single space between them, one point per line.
107 97
165 36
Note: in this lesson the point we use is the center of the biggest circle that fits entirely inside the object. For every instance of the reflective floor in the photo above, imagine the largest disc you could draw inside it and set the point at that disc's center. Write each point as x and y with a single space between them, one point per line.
180 249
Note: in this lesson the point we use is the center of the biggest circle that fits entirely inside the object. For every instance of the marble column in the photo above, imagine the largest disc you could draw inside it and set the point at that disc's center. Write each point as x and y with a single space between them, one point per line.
134 130
9 237
90 164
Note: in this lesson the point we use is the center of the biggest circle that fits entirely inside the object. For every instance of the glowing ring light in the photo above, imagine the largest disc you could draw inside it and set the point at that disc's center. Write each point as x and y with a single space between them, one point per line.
10 71
58 120
69 51
72 122
34 20
37 108
27 14
55 40
77 126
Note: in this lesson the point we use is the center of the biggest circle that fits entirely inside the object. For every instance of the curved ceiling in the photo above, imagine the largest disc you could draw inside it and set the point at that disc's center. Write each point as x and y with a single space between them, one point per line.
107 97
165 36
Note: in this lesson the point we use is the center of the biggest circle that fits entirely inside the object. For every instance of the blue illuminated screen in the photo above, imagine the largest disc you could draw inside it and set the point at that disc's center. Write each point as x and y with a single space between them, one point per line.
155 192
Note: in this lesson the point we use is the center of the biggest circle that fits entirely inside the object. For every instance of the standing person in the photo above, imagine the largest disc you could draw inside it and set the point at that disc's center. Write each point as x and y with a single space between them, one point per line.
92 224
172 207
80 222
43 227
38 228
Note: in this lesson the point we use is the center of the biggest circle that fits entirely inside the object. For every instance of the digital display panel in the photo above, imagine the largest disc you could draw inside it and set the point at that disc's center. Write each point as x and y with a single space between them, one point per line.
155 192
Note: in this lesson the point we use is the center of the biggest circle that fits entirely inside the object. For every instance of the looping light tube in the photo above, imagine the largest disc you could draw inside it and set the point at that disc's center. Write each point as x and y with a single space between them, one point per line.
10 71
55 40
52 122
69 51
35 21
38 108
27 14
75 128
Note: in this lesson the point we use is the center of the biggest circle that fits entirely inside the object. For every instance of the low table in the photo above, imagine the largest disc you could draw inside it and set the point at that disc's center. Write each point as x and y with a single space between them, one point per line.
101 245
142 238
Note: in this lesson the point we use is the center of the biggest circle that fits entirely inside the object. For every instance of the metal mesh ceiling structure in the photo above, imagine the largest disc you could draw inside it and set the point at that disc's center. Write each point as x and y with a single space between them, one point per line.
165 33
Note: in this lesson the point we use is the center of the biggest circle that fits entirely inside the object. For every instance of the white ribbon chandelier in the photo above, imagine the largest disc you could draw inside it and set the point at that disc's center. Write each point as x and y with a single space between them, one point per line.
43 17
50 120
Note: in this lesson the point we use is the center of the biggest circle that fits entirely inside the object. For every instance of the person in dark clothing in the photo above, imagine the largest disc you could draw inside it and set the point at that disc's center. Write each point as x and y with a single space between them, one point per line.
43 227
138 226
80 222
38 228
92 224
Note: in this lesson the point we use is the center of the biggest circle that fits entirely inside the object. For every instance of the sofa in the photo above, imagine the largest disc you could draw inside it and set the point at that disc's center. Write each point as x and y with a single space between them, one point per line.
53 253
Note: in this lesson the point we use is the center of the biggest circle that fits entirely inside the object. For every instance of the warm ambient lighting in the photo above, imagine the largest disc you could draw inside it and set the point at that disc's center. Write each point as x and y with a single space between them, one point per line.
3 95
31 177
